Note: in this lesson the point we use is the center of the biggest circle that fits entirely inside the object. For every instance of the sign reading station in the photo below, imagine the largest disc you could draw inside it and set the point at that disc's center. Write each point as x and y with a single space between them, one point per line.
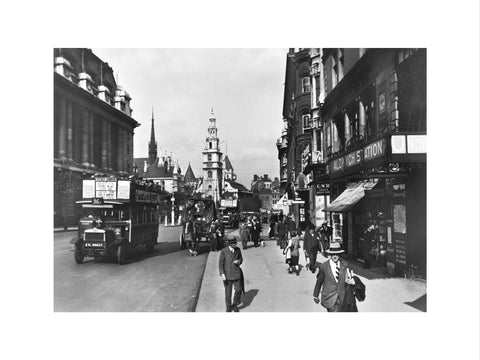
367 153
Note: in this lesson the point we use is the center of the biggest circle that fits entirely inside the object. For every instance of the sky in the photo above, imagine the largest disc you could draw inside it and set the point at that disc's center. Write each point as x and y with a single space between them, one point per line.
243 86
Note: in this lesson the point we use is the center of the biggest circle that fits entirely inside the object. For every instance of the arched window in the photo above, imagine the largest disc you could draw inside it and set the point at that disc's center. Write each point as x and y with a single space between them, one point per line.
209 174
209 157
305 84
210 145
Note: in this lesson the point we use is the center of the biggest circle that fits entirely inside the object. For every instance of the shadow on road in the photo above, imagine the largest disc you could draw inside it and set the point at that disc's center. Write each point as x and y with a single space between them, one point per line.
248 298
164 248
420 303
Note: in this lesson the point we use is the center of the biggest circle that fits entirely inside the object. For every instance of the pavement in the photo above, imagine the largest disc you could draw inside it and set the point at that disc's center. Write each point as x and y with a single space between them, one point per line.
270 288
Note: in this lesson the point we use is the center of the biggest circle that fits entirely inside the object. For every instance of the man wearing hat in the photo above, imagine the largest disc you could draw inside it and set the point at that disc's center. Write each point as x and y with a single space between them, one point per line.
325 232
331 279
231 273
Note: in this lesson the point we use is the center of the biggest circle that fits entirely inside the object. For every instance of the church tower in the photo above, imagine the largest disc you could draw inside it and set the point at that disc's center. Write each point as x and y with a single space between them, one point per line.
152 145
212 163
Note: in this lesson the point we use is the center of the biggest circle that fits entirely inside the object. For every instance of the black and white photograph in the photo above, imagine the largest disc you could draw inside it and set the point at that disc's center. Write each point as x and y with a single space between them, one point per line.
173 163
325 204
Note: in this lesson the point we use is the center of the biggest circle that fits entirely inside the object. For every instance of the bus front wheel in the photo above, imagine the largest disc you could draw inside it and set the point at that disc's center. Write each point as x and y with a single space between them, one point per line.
121 254
78 254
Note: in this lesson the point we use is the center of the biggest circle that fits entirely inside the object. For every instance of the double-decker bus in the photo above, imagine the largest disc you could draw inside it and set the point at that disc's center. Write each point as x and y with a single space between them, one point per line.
117 215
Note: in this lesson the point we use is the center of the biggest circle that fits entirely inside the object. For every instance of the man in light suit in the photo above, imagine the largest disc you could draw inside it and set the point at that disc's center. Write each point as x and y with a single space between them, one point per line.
331 279
231 273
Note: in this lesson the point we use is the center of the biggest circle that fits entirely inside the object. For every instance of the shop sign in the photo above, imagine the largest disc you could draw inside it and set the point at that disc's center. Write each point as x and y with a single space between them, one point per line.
338 164
417 144
322 189
371 151
399 144
400 251
375 150
353 158
409 144
319 172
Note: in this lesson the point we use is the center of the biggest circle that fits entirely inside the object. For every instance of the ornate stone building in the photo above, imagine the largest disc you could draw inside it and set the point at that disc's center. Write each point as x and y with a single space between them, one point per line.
93 127
366 158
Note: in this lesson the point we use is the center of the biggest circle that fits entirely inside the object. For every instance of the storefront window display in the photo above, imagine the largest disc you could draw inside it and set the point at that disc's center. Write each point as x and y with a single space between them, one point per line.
337 228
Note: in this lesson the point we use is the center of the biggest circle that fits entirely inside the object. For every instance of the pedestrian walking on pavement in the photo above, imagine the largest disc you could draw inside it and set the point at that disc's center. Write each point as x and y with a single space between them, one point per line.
292 253
271 232
197 236
282 234
326 232
291 226
244 234
250 228
231 273
311 247
257 229
212 236
220 234
189 235
332 278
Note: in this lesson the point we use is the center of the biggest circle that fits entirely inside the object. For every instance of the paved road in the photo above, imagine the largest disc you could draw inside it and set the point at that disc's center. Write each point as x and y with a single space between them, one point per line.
166 280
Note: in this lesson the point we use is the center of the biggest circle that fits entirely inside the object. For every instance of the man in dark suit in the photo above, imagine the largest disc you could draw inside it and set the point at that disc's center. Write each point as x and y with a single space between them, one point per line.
331 279
311 247
231 273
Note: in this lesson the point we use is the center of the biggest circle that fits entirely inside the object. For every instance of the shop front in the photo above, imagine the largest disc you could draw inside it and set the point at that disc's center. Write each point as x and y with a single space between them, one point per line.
379 206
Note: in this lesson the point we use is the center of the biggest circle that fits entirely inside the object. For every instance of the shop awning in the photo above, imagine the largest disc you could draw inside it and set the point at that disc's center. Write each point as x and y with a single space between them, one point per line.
350 196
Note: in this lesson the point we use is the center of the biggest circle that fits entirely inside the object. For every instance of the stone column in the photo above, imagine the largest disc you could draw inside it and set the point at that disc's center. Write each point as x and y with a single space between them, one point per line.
130 150
119 150
62 128
69 131
91 139
85 137
361 118
348 134
104 144
109 144
124 151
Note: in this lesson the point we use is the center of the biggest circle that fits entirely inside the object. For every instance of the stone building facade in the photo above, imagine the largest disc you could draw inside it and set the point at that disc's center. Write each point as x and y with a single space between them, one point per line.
367 158
93 127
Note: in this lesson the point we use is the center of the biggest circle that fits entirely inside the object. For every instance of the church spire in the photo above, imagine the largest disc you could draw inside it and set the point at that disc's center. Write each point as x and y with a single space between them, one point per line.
152 145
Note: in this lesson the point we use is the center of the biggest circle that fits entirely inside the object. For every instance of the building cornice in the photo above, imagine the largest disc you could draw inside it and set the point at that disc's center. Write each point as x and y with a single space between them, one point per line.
62 83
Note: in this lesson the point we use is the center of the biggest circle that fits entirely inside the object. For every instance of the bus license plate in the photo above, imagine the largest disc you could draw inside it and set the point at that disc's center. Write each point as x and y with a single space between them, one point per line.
89 244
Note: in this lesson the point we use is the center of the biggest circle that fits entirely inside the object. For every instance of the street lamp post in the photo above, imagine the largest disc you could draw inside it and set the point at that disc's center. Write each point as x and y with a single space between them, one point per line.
173 209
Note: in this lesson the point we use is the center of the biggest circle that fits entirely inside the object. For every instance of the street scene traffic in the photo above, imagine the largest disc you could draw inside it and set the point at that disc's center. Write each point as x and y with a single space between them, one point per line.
316 202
